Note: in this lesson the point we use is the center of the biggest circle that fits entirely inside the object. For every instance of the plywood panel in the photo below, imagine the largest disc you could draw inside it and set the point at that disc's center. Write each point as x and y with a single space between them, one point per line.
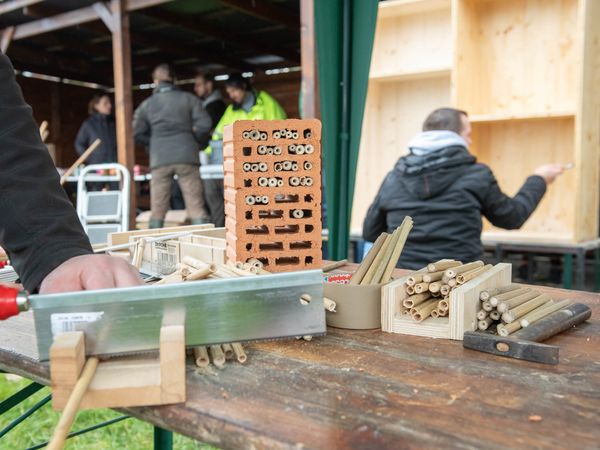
516 57
394 114
412 43
513 150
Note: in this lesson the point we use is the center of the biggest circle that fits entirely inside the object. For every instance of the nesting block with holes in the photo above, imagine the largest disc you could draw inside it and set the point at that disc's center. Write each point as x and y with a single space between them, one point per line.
273 193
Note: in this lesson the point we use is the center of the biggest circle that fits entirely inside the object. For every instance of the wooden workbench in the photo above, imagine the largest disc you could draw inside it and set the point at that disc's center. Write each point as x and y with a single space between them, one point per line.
368 389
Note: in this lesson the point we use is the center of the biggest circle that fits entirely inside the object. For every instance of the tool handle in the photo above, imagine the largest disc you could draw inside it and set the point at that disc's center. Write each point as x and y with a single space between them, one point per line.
80 160
66 419
12 301
555 323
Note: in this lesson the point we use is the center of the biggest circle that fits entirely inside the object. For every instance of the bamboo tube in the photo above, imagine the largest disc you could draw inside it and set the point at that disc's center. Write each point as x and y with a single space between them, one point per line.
433 276
414 279
404 228
436 294
452 282
482 314
201 274
442 313
442 265
485 323
201 356
218 357
487 306
435 286
495 315
373 254
329 304
543 311
175 277
387 254
513 314
445 278
405 312
509 328
416 299
228 351
445 290
43 128
468 276
240 272
80 161
454 271
516 301
195 263
486 295
421 287
423 311
410 290
334 265
435 313
444 305
240 354
70 411
139 253
508 295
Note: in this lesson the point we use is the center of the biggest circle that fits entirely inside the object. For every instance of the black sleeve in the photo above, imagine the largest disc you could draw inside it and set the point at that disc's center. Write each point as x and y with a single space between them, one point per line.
39 228
216 110
375 222
82 141
202 123
511 213
141 126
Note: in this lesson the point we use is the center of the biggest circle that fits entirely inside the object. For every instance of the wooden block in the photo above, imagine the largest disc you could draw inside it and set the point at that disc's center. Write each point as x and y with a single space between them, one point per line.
67 354
172 364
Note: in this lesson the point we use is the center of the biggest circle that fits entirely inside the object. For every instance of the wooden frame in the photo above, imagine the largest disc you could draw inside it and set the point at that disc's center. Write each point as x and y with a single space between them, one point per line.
464 304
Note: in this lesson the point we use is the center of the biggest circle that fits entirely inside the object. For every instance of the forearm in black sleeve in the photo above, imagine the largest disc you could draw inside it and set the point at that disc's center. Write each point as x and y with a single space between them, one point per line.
38 225
375 221
202 124
511 213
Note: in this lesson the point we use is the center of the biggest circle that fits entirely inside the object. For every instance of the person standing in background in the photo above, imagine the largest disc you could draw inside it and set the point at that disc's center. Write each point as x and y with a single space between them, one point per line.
173 125
212 100
99 125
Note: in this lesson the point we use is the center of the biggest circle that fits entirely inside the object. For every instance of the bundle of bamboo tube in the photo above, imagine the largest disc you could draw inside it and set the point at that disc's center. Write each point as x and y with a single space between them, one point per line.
192 269
219 354
429 290
380 262
510 308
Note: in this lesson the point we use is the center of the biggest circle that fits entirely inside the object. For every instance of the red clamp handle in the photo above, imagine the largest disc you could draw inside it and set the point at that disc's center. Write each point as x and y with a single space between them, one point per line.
11 303
3 264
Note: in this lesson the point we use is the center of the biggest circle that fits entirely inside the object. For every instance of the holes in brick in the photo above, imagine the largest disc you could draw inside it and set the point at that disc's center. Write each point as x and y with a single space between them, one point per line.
287 229
307 133
299 245
247 151
287 261
271 246
248 215
281 198
308 198
247 183
249 246
270 214
263 229
300 213
265 261
308 228
308 260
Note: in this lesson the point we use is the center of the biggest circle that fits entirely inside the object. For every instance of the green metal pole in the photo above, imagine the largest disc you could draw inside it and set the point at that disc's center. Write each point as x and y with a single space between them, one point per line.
163 439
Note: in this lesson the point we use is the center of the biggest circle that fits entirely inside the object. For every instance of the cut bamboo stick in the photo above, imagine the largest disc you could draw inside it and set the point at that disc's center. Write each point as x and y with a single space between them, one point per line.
454 271
195 263
435 313
415 300
387 255
433 276
201 274
507 295
228 351
423 311
421 287
509 328
368 278
516 301
368 261
516 313
85 155
414 279
468 276
334 265
494 314
404 228
435 286
410 290
486 295
485 323
201 356
442 265
444 305
487 306
329 304
482 314
445 290
240 354
218 357
543 311
442 313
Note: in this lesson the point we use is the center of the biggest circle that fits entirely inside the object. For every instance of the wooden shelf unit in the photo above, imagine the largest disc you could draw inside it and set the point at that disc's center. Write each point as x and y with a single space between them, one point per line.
528 74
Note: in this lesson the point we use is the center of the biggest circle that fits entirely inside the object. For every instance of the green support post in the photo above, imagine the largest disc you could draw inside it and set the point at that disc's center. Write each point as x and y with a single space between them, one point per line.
163 439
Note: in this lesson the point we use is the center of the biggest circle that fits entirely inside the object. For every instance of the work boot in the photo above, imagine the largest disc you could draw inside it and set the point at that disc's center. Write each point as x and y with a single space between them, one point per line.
200 221
156 223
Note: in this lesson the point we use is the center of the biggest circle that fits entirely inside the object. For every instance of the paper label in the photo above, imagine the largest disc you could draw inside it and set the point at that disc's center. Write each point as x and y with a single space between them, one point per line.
65 322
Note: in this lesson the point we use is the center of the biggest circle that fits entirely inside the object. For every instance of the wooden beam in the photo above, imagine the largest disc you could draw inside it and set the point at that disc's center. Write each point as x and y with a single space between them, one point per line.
268 11
7 37
104 13
123 97
13 5
309 60
72 18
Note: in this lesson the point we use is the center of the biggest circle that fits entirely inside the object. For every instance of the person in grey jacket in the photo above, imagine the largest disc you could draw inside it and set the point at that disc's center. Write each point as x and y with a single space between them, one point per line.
173 125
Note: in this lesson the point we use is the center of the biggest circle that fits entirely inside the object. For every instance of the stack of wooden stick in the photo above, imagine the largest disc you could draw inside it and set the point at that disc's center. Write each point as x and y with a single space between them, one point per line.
192 269
510 308
429 289
380 262
219 354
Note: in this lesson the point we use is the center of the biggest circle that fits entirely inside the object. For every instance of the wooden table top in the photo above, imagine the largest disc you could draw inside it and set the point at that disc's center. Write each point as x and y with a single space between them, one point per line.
368 389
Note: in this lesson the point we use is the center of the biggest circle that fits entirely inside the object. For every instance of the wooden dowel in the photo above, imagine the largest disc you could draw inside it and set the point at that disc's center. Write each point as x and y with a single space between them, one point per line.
367 279
404 228
421 287
508 295
486 295
80 160
218 357
240 354
70 411
454 271
414 279
516 313
228 351
416 299
139 253
201 356
505 305
368 261
543 311
442 265
334 265
468 276
485 323
433 276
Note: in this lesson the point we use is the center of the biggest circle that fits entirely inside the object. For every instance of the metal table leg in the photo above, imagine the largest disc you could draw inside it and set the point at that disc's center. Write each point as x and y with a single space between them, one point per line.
568 271
580 269
163 439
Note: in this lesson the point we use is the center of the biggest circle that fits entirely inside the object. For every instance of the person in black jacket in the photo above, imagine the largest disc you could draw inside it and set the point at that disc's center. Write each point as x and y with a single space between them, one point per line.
440 185
99 125
39 228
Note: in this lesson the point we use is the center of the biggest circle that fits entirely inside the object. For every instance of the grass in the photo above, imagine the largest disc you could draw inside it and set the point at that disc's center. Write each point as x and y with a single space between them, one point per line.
129 434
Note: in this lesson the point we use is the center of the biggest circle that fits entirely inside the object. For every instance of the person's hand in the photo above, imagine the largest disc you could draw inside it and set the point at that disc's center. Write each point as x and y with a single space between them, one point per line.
90 272
549 172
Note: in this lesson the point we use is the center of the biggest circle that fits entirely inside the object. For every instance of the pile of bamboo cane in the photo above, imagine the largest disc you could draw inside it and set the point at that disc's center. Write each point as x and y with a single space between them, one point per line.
192 269
219 354
380 262
513 307
429 290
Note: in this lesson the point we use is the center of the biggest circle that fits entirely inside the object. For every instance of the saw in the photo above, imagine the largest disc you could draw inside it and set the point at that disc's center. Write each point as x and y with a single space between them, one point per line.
128 320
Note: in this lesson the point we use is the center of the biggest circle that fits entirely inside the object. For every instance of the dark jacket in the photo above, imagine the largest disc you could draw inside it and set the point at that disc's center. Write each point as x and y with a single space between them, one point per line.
446 193
215 107
94 127
173 124
38 226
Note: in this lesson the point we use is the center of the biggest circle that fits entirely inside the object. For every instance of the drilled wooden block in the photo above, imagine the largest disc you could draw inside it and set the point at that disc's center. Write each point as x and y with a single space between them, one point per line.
273 193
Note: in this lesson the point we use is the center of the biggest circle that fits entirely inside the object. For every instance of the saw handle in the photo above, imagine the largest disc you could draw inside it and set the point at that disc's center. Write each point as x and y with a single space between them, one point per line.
12 301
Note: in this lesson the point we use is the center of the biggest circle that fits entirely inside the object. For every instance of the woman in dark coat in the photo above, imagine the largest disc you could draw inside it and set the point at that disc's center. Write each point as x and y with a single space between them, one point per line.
101 125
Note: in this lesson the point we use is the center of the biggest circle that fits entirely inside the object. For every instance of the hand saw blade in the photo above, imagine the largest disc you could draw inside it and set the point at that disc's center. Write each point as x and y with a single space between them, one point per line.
128 320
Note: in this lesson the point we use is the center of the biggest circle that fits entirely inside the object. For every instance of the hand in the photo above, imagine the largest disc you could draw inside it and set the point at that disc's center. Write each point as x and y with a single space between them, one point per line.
549 172
90 272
